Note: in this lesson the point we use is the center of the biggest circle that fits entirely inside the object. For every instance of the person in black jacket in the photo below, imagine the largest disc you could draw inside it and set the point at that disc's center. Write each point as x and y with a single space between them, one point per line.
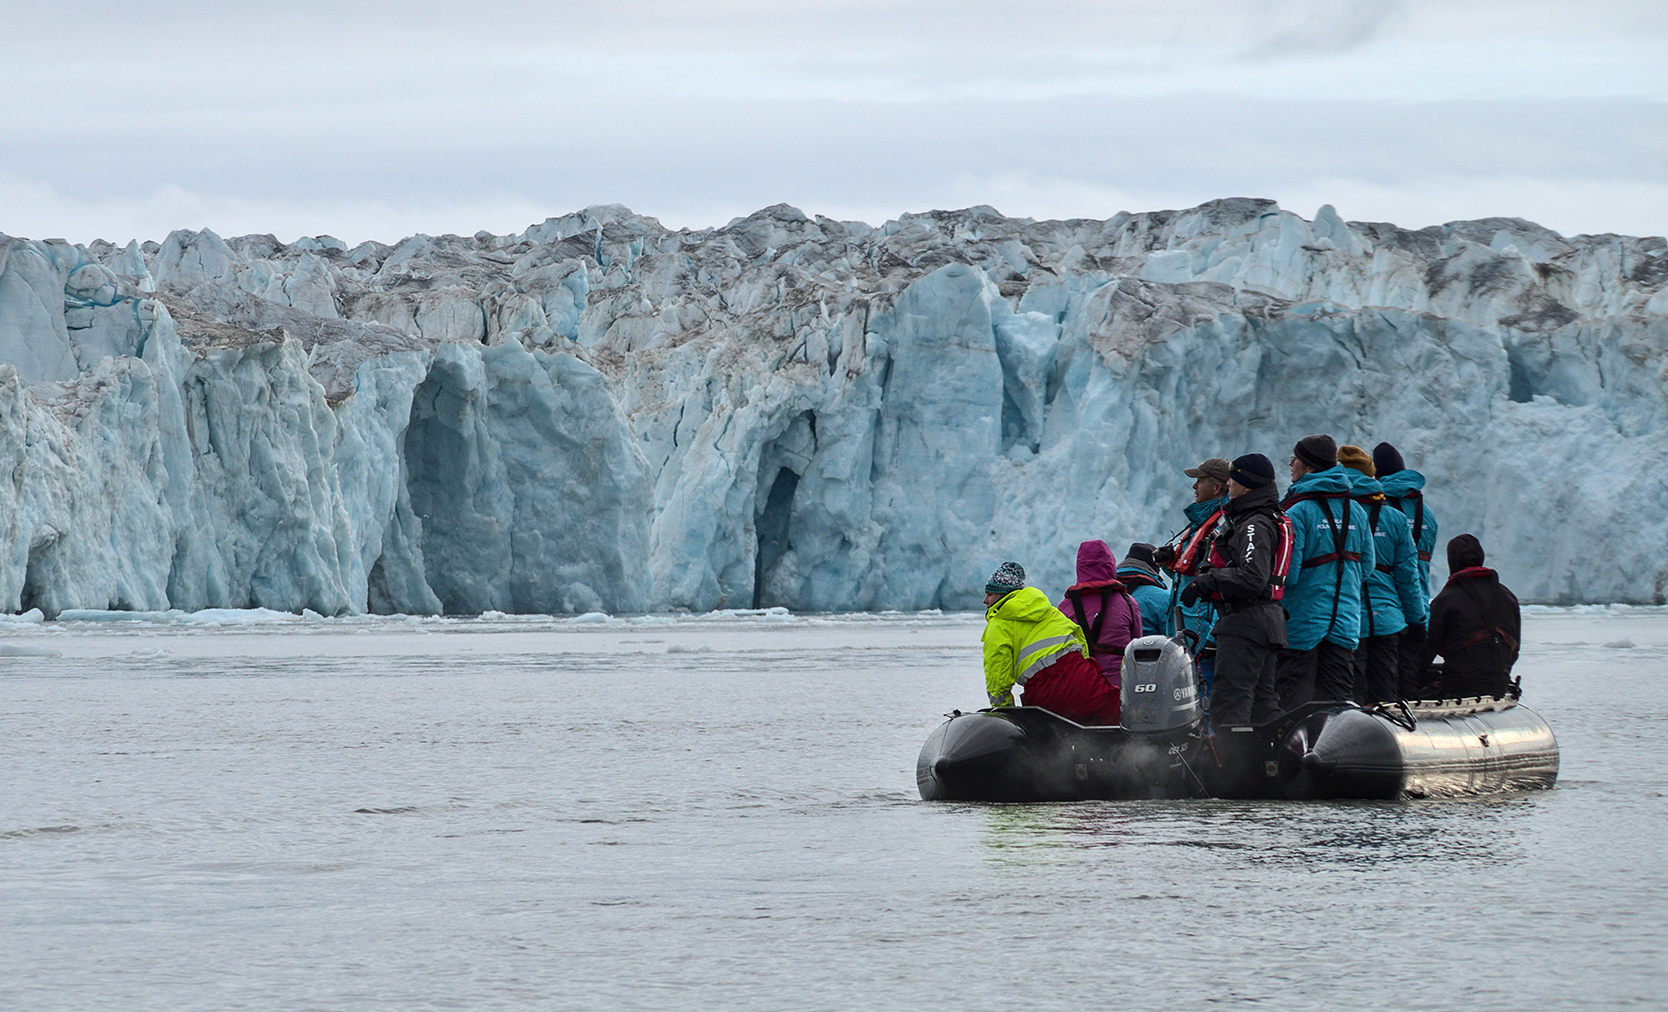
1475 625
1252 627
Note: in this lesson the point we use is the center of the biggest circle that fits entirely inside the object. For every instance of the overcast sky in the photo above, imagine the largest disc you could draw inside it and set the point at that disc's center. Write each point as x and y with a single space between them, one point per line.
377 120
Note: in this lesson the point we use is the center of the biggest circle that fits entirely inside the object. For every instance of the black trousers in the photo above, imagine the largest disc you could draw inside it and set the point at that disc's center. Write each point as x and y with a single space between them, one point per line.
1411 679
1378 669
1302 676
1243 692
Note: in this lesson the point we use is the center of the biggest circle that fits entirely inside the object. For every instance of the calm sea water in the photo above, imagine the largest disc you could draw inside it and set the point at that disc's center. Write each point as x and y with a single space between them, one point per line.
721 813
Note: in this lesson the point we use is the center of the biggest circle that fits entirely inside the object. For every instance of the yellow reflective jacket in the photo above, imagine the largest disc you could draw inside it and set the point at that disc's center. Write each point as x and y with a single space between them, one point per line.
1025 633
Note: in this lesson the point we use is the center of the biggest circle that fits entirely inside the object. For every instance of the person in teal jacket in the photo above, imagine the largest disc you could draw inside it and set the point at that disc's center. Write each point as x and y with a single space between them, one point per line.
1140 576
1332 550
1404 488
1393 595
1210 497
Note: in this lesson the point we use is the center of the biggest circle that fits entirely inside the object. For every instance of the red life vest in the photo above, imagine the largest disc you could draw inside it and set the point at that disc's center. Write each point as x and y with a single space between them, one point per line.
1187 560
1283 540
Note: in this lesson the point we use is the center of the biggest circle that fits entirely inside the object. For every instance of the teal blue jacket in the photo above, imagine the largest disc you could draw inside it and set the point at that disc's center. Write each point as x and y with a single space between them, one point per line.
1201 615
1405 490
1395 593
1152 599
1323 598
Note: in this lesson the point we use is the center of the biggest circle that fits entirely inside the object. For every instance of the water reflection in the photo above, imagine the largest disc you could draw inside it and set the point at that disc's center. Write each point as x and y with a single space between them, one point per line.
1265 833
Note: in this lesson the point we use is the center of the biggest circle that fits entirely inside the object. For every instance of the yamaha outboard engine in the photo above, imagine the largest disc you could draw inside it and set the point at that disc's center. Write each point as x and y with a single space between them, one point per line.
1160 689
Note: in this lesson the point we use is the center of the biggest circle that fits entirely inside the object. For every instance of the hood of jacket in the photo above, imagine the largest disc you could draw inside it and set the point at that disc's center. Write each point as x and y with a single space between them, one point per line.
1402 482
1027 604
1266 497
1333 479
1465 552
1364 485
1095 563
1199 512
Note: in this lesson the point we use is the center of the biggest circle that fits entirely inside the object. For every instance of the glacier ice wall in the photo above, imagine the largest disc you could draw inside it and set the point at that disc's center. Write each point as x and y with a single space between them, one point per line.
601 413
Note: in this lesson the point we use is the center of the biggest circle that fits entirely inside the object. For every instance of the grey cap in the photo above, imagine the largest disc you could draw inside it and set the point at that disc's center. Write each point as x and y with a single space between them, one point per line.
1215 468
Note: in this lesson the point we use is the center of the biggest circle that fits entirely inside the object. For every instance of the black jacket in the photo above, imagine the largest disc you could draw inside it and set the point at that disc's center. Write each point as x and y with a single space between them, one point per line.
1246 542
1475 625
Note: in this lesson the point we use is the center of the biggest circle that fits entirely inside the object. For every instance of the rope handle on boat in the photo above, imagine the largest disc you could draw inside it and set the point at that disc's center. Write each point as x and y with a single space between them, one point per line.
1397 713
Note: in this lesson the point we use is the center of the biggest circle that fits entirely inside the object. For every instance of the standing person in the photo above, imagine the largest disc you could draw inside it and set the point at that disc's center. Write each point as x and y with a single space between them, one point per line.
1391 598
1244 577
1102 607
1139 575
1404 489
1028 642
1185 554
1475 625
1332 549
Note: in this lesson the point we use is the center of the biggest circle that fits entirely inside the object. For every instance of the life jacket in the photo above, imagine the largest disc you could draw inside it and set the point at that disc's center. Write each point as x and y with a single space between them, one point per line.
1187 560
1373 504
1092 630
1418 498
1138 580
1498 636
1340 537
1283 541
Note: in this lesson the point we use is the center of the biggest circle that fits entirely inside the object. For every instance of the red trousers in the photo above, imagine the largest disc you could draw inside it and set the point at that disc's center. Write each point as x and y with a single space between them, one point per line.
1074 688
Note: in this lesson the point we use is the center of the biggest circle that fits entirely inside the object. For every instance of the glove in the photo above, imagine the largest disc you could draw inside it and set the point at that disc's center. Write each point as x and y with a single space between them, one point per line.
1164 555
1191 593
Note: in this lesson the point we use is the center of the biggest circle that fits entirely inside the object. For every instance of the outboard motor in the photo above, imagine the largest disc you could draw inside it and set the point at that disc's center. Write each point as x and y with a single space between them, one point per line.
1160 690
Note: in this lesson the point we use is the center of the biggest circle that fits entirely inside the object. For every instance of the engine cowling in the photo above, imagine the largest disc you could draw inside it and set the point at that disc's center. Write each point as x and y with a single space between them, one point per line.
1160 689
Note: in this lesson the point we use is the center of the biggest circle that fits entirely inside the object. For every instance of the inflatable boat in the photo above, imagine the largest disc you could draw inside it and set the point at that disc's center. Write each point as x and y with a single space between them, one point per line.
1163 748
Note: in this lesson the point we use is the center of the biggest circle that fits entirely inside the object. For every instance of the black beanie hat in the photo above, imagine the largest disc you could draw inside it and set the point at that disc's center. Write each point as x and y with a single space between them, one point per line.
1387 460
1464 552
1252 470
1319 452
1140 551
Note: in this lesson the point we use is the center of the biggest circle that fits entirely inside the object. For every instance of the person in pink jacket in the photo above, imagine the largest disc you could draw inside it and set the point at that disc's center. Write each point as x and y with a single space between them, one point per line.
1099 603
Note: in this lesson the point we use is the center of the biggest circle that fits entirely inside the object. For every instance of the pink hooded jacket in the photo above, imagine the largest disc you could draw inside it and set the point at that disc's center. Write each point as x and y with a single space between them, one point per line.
1096 573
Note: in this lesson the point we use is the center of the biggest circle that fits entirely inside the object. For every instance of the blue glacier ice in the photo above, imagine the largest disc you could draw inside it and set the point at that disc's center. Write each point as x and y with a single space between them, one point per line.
604 415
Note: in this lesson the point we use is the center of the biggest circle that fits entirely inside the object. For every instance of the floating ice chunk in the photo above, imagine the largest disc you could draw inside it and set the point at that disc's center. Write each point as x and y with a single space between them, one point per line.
30 617
104 615
1621 644
28 650
589 618
237 616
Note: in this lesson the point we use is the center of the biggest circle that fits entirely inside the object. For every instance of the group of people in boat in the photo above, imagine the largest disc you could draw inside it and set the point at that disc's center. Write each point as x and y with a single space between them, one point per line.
1320 594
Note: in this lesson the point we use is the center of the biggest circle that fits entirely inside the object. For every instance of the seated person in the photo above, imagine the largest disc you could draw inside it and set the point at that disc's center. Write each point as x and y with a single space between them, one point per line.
1475 625
1139 575
1028 642
1103 608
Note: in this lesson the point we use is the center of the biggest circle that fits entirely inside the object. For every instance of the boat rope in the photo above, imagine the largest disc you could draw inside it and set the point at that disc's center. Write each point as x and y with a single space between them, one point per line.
1396 713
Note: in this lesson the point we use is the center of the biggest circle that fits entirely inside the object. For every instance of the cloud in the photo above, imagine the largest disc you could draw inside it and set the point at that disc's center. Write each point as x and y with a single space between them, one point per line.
380 119
1320 27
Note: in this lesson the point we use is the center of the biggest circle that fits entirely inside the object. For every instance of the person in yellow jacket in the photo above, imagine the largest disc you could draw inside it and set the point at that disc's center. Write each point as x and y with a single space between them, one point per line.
1032 644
